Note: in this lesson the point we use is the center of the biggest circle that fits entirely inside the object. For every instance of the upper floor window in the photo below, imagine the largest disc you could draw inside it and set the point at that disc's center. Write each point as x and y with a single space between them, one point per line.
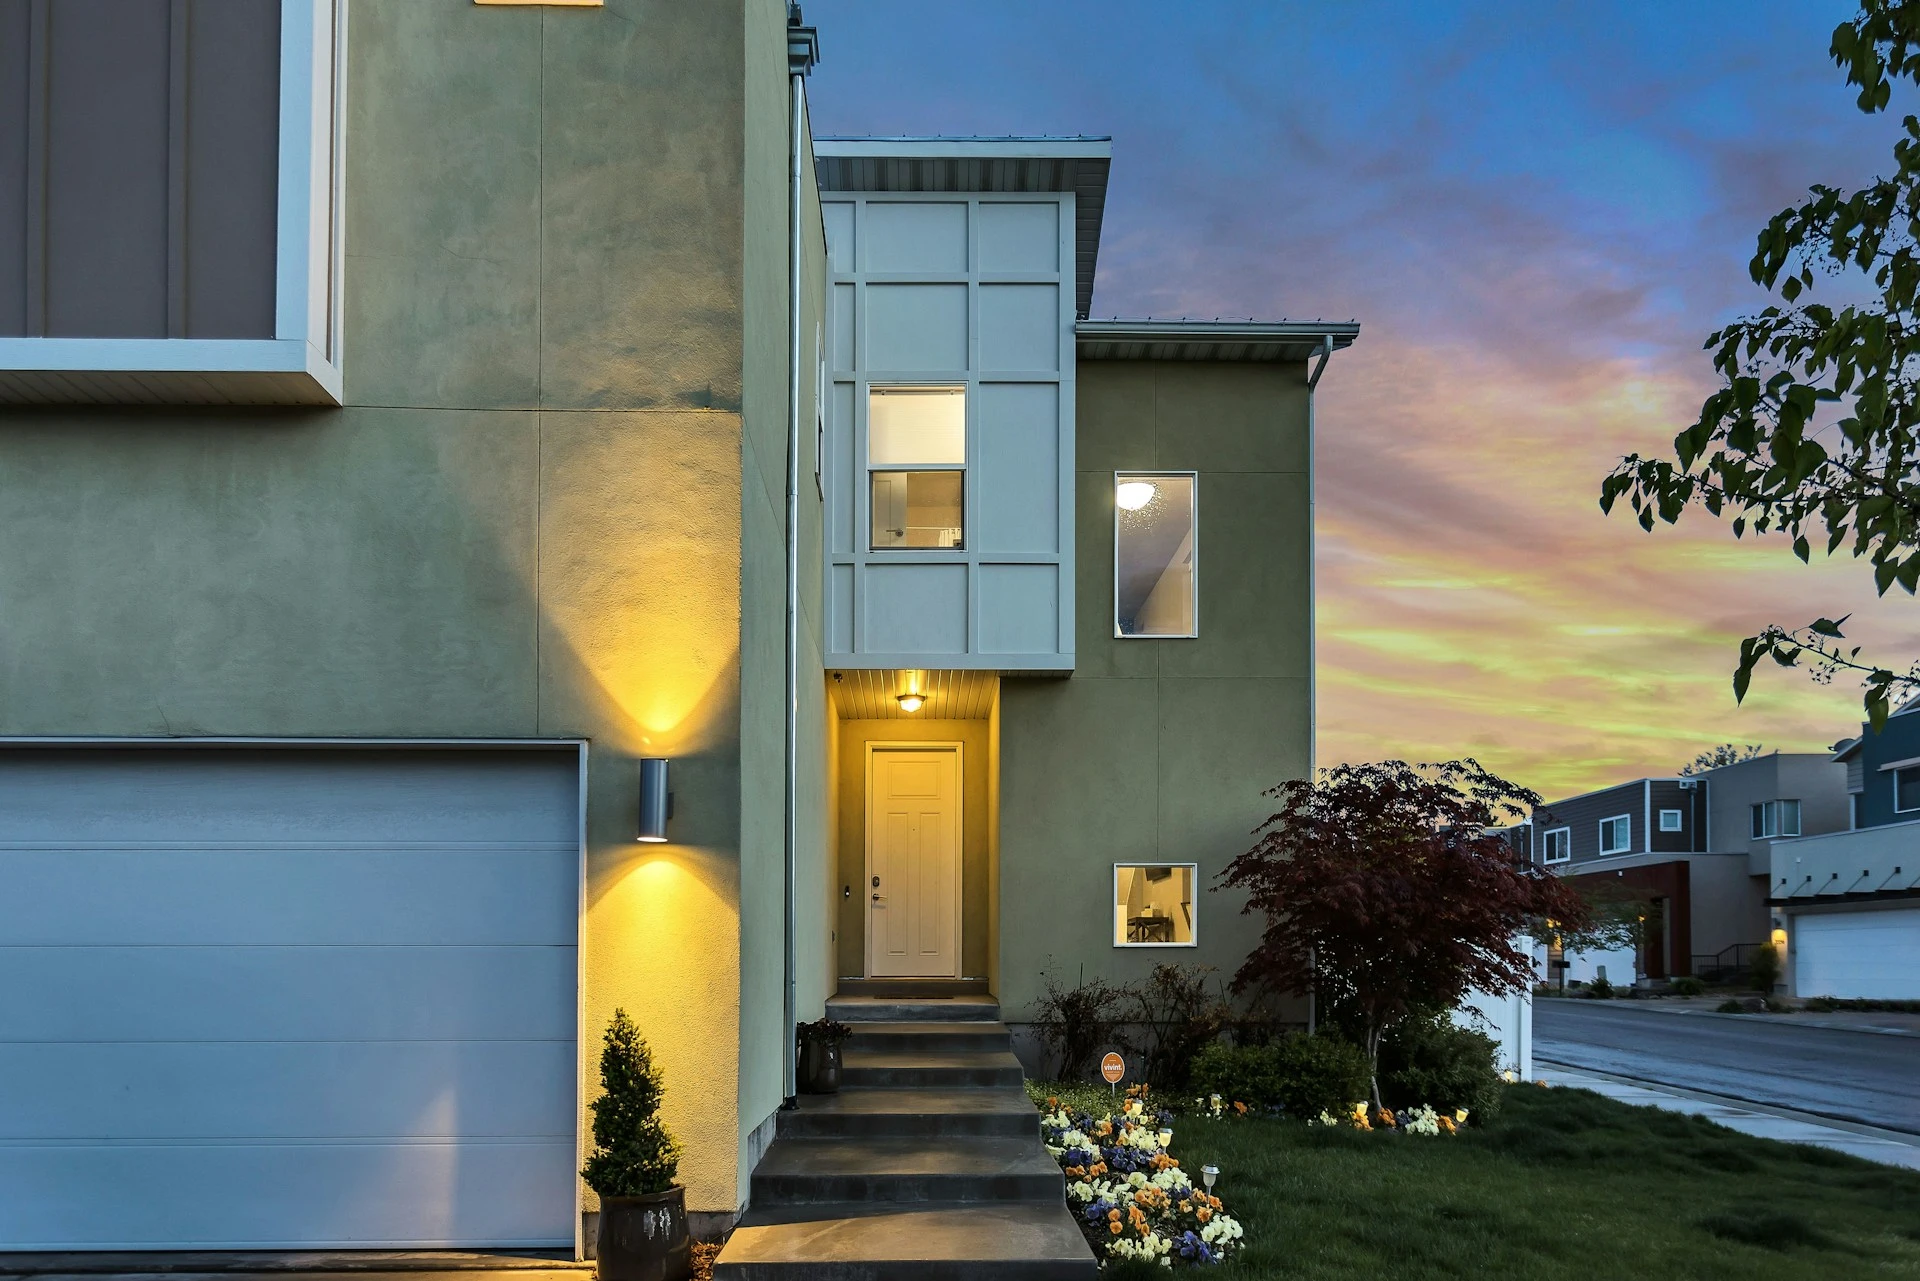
917 466
1556 846
1906 789
1616 834
1155 522
1672 820
1776 818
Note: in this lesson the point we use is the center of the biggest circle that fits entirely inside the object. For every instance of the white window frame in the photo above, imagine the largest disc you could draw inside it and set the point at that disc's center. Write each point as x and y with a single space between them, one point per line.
1772 817
1896 791
1194 634
309 263
1617 818
964 467
1113 901
1679 818
1547 843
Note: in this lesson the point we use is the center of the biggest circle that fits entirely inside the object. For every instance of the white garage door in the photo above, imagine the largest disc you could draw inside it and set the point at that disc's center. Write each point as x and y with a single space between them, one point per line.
256 998
1870 954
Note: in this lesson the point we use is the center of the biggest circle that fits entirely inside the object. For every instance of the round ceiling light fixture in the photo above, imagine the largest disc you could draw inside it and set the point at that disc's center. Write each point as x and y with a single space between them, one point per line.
909 702
1132 495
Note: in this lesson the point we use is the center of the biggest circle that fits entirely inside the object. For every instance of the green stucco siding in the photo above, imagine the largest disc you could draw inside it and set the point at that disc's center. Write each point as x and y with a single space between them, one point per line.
1159 750
530 519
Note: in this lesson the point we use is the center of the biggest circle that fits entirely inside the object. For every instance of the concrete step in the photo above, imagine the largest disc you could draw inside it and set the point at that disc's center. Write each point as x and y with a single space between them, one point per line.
943 1009
893 1170
898 988
885 1070
925 1037
941 1113
1007 1242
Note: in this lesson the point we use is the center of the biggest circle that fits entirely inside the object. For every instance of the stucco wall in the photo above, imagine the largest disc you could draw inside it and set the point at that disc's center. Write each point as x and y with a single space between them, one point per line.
976 760
765 1040
528 519
1159 750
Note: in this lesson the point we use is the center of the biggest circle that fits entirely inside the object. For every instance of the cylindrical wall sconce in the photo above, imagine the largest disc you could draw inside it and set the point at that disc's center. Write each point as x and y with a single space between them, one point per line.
656 803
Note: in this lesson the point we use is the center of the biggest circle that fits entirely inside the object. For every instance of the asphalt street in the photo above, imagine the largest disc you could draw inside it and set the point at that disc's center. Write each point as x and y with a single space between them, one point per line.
1861 1076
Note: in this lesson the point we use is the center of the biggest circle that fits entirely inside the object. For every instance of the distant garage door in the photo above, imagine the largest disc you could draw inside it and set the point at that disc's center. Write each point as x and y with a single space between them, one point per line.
287 998
1867 954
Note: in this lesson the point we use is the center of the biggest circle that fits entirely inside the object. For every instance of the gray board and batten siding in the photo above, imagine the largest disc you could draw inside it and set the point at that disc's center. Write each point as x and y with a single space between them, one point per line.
1641 801
139 159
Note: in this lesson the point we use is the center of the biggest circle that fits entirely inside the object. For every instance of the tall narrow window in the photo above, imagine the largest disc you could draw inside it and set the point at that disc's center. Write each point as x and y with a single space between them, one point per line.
1154 528
916 466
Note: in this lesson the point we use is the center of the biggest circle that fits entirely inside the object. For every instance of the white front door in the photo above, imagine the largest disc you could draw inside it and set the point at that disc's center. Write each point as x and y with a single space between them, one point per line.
913 862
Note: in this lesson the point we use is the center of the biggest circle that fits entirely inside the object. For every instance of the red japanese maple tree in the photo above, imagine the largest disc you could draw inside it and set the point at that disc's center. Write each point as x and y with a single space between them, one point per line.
1385 886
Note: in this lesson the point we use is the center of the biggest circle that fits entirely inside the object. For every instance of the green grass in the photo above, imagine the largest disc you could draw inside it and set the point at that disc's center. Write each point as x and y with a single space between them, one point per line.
1563 1184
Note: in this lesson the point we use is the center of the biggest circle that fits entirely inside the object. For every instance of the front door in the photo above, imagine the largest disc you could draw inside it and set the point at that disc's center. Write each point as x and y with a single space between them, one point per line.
913 862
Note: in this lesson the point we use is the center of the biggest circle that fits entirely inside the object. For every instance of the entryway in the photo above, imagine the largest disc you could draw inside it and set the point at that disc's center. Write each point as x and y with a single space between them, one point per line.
913 860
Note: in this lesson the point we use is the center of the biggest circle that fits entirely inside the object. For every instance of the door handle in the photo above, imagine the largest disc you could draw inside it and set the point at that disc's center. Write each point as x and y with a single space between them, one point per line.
878 899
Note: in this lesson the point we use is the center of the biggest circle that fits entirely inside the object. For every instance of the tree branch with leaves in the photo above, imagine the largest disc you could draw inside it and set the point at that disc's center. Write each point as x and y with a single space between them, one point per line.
1757 453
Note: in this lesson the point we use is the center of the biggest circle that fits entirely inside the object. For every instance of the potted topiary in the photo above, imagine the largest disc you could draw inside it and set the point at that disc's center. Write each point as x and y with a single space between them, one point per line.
818 1045
643 1212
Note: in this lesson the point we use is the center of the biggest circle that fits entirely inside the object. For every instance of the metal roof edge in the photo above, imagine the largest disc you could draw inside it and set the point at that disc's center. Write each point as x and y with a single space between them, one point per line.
1343 333
1079 147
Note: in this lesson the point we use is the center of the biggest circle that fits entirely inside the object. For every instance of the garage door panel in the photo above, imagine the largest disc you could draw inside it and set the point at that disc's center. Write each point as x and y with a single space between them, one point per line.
245 1196
1866 955
288 1089
155 896
281 997
248 993
215 795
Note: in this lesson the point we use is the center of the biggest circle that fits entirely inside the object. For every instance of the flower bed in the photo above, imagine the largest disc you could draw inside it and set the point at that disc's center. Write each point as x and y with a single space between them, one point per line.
1128 1192
1422 1120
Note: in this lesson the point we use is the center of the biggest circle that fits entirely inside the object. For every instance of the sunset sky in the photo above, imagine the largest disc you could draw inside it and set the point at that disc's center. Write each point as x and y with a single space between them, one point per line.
1537 211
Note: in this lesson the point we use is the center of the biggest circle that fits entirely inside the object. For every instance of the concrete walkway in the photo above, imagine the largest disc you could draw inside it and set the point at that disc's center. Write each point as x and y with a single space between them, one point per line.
1888 1147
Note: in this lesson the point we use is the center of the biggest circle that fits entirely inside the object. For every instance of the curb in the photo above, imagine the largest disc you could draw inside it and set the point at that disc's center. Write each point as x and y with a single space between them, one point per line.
1831 1121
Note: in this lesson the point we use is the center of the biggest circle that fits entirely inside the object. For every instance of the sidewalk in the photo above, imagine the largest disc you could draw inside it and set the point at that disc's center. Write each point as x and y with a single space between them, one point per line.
1884 1022
1888 1147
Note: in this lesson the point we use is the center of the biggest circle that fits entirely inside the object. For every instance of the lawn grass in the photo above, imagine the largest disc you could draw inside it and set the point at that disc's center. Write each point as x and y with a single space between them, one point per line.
1564 1183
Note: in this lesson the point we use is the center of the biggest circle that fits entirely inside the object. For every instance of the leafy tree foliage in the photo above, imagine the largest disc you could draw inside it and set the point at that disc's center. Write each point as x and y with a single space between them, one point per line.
1386 891
632 1152
1725 754
1756 452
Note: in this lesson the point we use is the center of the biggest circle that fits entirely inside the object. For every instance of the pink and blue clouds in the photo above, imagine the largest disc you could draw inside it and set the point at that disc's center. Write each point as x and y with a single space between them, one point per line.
1537 212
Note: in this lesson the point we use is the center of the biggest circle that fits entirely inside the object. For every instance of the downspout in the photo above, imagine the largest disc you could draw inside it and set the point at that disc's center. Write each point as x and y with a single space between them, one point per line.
803 49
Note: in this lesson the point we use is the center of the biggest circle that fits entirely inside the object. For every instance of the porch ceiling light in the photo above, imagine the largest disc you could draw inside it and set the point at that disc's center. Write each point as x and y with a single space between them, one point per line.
656 803
1132 495
910 701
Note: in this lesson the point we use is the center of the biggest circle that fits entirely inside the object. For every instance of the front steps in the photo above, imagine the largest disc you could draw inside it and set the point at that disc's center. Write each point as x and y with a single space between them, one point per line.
927 1164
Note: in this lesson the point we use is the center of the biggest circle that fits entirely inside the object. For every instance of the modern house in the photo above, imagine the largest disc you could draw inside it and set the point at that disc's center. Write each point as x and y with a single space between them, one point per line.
1693 851
1846 903
497 523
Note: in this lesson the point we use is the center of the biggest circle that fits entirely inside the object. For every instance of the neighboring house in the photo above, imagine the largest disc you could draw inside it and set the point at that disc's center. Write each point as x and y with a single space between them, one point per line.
1847 903
1692 850
395 463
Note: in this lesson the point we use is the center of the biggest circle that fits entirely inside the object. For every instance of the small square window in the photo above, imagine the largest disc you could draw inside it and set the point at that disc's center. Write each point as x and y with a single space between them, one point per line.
1154 530
1672 820
1153 905
1616 834
1557 845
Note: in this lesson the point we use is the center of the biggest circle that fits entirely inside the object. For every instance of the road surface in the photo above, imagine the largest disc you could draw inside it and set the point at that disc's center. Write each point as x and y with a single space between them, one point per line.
1861 1076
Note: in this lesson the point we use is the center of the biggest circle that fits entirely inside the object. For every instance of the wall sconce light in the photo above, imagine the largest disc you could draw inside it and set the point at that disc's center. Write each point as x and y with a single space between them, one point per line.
909 702
656 802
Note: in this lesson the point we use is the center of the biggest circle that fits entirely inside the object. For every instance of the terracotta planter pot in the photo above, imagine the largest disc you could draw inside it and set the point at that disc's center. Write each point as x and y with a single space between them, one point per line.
819 1066
645 1238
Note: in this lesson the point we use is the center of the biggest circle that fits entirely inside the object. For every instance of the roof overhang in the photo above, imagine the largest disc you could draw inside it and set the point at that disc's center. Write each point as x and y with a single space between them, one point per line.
1212 339
1078 165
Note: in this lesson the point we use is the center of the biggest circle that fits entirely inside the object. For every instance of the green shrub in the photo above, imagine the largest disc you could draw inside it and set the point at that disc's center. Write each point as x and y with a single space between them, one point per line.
1765 967
1730 1007
1600 990
1077 1023
632 1152
1687 985
1302 1075
1430 1060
